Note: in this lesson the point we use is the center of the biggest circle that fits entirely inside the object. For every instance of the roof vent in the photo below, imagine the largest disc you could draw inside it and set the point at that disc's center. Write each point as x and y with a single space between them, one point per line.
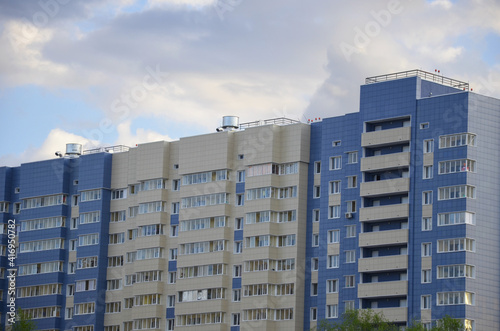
229 123
73 150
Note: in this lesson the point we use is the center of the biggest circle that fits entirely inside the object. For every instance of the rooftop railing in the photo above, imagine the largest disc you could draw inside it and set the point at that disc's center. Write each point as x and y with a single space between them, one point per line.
275 121
108 149
422 74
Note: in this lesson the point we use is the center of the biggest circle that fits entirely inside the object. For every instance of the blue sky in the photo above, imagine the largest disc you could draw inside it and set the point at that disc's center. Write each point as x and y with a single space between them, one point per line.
125 72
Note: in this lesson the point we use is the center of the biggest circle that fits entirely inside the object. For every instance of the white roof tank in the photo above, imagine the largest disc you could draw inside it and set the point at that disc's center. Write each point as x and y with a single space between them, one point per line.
230 122
73 149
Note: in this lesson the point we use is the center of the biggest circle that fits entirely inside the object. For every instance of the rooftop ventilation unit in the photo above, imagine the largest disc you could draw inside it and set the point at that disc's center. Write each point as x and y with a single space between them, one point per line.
229 123
73 150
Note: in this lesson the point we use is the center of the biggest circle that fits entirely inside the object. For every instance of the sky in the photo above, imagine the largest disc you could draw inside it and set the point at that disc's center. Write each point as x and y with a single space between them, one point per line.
125 72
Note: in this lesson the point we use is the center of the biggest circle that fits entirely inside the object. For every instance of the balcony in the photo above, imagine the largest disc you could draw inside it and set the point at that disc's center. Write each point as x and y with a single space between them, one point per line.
389 212
385 187
396 314
387 161
383 238
386 137
383 263
383 289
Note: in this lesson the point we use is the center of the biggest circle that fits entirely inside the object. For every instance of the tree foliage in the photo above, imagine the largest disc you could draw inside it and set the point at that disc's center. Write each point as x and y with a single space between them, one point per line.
368 320
23 322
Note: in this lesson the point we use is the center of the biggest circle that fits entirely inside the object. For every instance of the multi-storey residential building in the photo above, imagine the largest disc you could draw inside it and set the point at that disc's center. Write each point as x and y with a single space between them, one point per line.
208 231
402 212
270 225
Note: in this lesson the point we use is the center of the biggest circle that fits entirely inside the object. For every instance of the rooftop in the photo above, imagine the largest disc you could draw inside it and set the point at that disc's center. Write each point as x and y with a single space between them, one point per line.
422 74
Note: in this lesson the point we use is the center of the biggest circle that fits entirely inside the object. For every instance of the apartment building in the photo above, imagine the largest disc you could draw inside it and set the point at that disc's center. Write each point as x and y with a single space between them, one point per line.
270 225
205 232
402 209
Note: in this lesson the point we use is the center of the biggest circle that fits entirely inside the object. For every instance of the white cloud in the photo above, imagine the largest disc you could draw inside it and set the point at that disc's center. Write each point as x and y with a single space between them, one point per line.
55 141
128 138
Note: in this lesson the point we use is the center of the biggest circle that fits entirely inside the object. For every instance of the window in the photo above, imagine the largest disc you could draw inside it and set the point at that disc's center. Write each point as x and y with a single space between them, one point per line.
314 314
133 211
41 245
172 255
73 243
336 143
238 223
88 239
424 125
115 261
316 191
235 319
92 217
348 305
315 217
428 146
350 256
118 216
463 217
336 163
335 187
174 231
314 289
134 188
132 234
333 236
175 208
237 295
41 223
427 198
426 223
152 184
332 311
427 172
238 247
332 286
457 192
117 238
90 195
205 200
17 208
176 184
425 302
456 245
352 157
85 285
351 206
70 290
113 307
237 271
170 301
315 240
426 276
151 207
454 166
332 261
87 262
119 194
426 249
317 167
68 314
352 181
240 199
241 156
314 264
114 284
455 298
456 140
334 211
350 231
172 277
456 271
240 176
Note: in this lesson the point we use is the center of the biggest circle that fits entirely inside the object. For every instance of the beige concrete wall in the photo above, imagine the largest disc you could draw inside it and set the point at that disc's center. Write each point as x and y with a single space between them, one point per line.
388 161
386 137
